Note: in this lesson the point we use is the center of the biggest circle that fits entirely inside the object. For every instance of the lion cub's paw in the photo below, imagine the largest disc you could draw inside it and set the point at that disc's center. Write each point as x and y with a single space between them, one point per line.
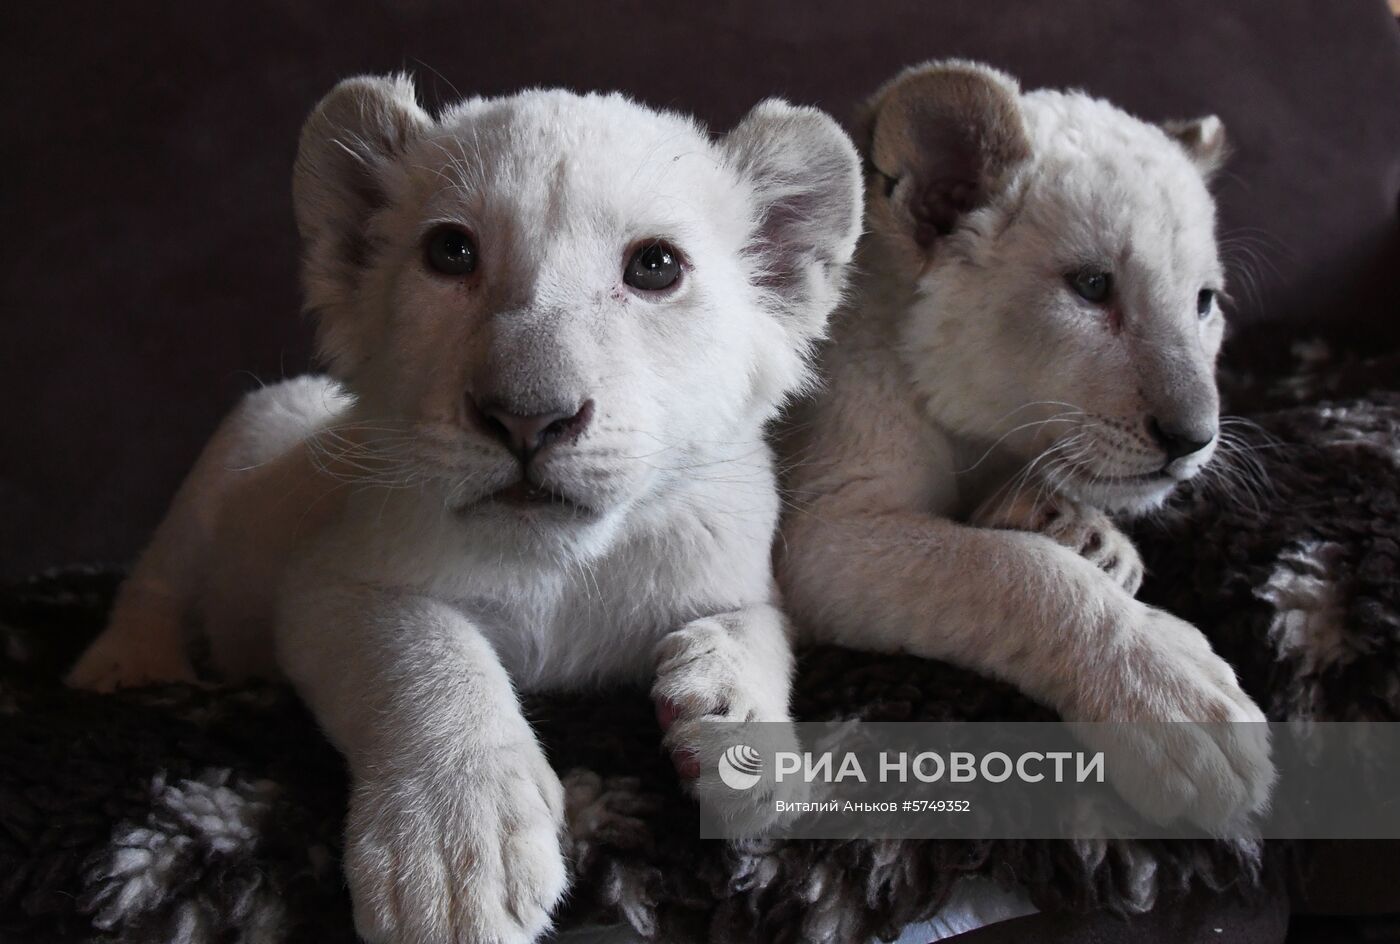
698 674
460 857
704 676
122 658
1216 773
1083 529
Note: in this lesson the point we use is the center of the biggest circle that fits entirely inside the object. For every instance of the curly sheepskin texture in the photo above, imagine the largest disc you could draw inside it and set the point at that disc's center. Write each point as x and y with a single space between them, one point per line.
190 815
1298 575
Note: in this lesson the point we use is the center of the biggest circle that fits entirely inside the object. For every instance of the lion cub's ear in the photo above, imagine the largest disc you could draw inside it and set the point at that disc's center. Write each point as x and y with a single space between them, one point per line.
941 139
347 145
1204 140
349 151
805 176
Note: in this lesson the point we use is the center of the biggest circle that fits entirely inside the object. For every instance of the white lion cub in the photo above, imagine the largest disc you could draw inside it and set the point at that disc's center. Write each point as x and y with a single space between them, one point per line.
1032 343
558 325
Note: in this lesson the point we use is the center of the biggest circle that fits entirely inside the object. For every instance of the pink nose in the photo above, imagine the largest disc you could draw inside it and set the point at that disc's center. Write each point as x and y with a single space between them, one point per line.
525 435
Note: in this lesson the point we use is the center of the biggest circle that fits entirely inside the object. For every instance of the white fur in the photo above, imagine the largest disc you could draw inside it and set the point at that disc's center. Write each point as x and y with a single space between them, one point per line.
967 381
355 514
998 345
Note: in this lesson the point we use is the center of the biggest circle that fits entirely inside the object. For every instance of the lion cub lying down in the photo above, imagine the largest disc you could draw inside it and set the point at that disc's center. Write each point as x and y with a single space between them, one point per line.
1030 344
557 326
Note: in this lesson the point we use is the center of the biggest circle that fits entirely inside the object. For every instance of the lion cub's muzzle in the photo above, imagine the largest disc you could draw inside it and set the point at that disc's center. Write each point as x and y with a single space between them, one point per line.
529 435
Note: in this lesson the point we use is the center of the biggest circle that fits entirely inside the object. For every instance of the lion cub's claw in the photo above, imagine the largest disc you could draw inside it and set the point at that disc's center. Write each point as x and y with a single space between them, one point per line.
1083 529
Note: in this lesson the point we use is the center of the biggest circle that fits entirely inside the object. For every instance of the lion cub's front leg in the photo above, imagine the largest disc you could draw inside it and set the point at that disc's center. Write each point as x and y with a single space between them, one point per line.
455 819
1082 528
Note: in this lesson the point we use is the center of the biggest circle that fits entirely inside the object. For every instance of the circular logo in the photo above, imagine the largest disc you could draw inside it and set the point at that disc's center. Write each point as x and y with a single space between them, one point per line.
740 767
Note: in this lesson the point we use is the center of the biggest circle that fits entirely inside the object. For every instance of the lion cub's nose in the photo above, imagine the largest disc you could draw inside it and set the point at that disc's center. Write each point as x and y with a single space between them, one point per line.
525 435
1176 441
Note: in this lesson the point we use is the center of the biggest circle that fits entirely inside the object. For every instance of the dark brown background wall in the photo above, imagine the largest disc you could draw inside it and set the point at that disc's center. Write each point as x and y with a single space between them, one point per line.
149 267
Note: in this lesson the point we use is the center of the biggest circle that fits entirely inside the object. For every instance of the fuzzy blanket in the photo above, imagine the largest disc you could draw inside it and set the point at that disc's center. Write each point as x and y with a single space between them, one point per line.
181 814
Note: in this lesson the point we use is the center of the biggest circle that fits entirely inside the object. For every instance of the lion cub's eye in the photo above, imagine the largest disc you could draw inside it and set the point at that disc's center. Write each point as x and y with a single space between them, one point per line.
1205 301
451 251
1091 286
653 267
